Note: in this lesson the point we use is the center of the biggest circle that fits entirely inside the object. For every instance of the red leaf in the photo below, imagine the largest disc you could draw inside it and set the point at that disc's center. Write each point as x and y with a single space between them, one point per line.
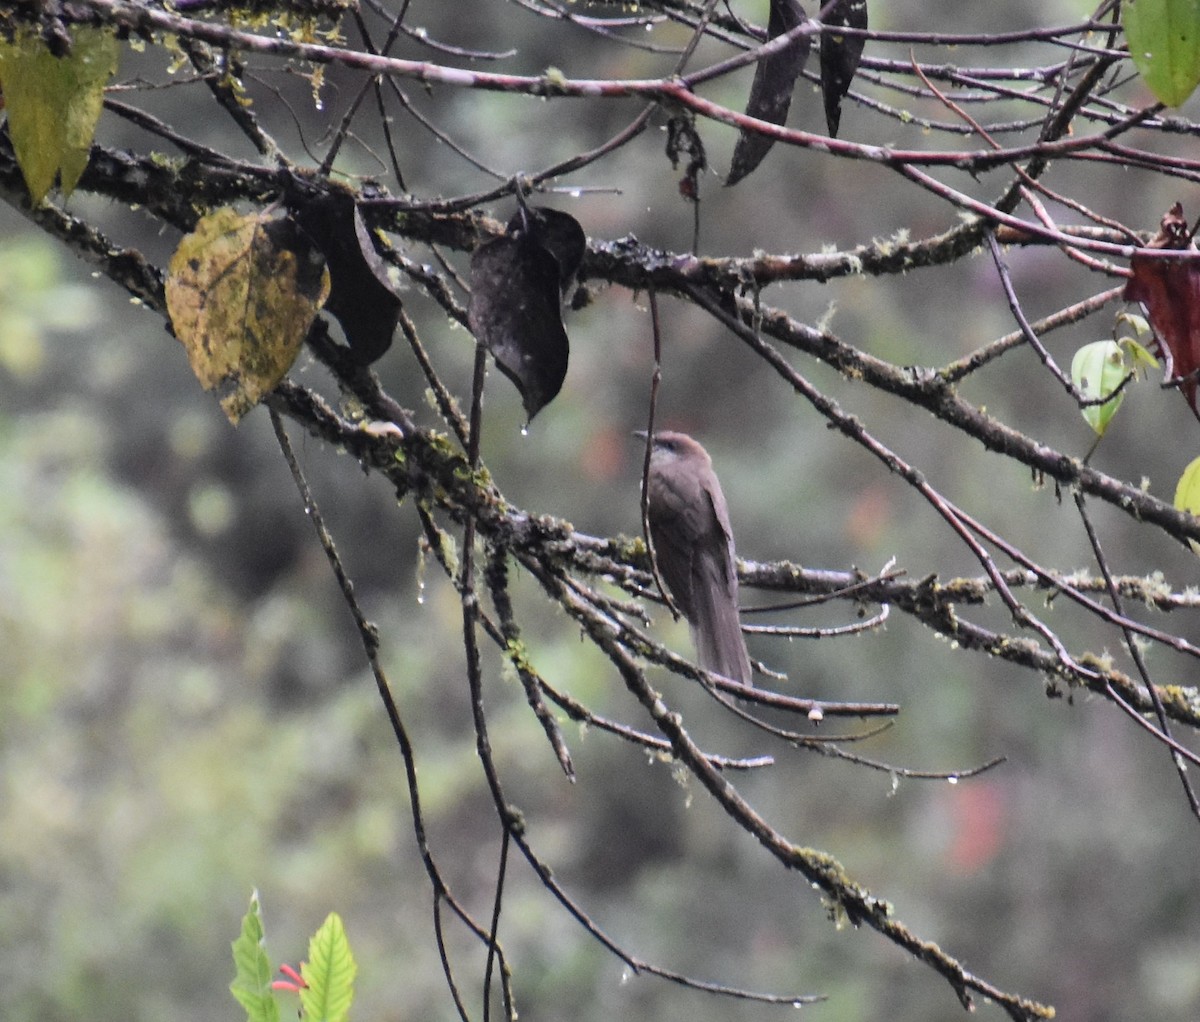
1169 291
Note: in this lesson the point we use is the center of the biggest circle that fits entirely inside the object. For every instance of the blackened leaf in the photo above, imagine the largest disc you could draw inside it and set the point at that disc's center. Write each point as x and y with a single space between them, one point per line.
771 91
839 58
362 298
1169 290
557 232
516 313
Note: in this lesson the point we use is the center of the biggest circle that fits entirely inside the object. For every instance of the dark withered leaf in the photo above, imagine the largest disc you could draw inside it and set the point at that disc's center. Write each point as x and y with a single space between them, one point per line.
684 142
557 232
771 91
516 310
362 299
839 58
1169 291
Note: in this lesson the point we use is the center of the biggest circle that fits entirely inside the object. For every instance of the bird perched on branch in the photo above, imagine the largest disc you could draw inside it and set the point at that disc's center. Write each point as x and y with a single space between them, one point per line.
693 548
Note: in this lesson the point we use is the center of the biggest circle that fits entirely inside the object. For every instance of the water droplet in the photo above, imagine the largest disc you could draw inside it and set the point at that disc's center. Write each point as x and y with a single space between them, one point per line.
953 778
626 975
525 430
421 549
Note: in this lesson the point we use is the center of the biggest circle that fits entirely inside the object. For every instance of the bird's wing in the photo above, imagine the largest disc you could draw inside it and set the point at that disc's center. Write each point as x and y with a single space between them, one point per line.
716 625
674 553
715 504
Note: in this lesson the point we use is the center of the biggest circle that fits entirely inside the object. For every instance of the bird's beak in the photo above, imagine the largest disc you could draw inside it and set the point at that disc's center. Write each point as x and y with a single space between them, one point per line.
641 434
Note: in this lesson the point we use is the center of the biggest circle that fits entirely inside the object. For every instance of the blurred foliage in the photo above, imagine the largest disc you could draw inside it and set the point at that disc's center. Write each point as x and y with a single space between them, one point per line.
185 714
32 301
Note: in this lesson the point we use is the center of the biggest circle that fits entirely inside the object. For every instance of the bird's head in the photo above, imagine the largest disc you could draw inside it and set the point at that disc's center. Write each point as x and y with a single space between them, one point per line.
668 446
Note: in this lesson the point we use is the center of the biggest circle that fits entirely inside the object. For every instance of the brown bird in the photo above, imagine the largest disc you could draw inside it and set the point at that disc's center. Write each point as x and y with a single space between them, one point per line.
693 548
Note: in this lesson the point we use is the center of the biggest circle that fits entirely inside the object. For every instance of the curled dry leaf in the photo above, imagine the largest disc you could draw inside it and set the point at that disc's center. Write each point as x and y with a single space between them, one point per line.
684 140
771 91
840 55
242 292
1169 291
517 283
361 297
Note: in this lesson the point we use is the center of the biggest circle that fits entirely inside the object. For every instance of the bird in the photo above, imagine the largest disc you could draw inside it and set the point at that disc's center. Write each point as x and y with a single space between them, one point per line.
693 549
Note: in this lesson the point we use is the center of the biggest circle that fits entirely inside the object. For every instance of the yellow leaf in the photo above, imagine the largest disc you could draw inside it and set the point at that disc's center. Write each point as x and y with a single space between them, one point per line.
54 102
242 291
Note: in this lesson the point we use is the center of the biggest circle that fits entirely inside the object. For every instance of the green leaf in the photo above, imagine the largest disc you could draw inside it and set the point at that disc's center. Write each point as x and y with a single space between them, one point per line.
252 979
329 973
242 291
1097 370
54 102
1164 42
1187 494
1140 324
1139 356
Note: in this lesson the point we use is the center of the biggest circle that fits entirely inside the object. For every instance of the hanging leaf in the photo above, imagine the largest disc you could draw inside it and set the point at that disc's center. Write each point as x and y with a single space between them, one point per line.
361 296
557 232
329 973
1164 42
1139 357
1187 494
840 55
252 978
517 281
1169 291
771 91
242 292
1097 370
683 139
53 103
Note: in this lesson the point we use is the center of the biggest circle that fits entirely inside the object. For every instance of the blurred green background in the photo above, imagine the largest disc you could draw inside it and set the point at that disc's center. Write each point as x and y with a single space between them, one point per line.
185 713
